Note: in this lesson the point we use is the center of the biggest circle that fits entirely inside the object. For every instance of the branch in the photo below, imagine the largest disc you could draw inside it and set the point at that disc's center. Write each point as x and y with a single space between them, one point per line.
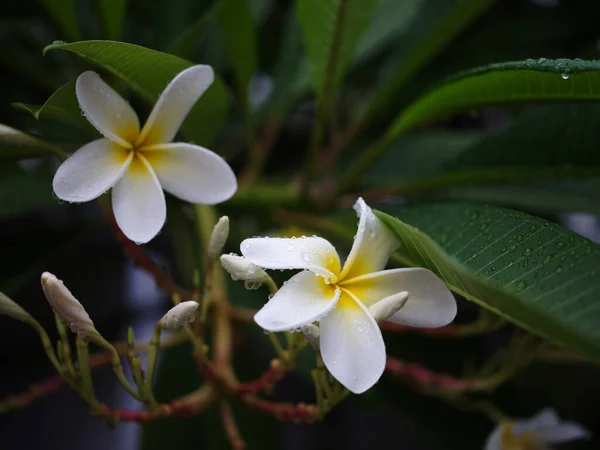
300 413
231 430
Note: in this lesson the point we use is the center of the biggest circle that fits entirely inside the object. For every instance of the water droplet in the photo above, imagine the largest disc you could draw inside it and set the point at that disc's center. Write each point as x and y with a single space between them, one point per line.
564 76
290 248
547 259
305 257
119 116
521 285
527 251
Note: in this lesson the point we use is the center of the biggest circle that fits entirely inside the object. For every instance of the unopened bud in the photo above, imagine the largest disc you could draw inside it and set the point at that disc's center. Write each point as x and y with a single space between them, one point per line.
11 309
68 308
312 333
179 315
218 238
241 269
388 306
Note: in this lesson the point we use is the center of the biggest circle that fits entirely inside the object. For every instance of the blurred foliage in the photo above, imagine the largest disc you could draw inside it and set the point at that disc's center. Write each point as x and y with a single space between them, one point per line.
476 101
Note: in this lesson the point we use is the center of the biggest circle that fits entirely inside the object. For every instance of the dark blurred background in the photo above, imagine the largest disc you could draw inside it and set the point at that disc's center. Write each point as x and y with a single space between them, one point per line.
75 242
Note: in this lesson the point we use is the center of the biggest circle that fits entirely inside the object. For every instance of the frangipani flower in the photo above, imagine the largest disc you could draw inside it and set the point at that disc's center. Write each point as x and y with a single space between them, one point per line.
339 298
537 433
138 165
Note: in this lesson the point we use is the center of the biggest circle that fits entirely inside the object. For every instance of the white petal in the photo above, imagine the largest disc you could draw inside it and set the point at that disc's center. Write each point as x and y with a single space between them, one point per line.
373 244
313 253
139 203
304 299
174 103
494 440
352 346
563 432
192 173
91 171
106 110
430 303
547 417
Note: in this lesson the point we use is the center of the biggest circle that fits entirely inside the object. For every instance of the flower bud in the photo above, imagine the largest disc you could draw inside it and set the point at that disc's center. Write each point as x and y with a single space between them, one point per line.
312 333
388 306
241 269
67 306
179 315
218 238
11 309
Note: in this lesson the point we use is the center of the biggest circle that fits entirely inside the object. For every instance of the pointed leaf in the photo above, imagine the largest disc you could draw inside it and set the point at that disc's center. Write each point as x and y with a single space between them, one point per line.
147 72
112 13
15 144
529 270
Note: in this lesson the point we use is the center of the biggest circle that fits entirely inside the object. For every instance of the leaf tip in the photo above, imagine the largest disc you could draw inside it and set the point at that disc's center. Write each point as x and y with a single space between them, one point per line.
52 46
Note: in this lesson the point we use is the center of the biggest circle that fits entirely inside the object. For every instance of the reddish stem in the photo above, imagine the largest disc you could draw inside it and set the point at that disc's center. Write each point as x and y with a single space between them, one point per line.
299 413
424 379
265 382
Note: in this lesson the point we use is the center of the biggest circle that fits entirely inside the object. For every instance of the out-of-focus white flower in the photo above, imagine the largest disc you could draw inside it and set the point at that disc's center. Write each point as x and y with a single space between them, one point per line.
139 164
179 315
537 433
218 238
67 306
241 269
10 308
339 298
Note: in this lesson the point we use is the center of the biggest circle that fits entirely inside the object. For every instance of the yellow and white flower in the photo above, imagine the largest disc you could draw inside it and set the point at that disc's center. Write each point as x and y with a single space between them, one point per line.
339 298
138 165
537 433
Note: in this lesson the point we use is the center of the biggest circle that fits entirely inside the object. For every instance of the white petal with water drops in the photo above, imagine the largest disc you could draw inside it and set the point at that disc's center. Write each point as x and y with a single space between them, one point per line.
106 110
373 244
352 346
311 253
90 171
174 103
192 173
303 299
139 203
430 303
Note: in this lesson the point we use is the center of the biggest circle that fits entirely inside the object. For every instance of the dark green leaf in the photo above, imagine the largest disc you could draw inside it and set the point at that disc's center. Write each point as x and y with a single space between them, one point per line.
15 144
147 72
112 13
332 30
505 84
184 44
62 106
436 25
65 15
530 271
24 190
239 33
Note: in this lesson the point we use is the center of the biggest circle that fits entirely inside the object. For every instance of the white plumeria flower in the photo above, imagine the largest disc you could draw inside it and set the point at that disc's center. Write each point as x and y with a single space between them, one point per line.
351 343
138 165
537 433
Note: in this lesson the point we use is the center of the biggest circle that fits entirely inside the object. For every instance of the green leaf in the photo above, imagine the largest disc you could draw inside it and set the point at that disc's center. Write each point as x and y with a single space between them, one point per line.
22 190
529 81
15 144
239 33
332 30
436 25
112 13
184 44
529 270
62 106
63 12
147 72
291 78
390 19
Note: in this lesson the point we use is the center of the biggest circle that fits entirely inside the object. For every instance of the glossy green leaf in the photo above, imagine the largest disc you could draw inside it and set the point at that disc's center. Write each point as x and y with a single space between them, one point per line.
511 83
239 33
64 13
434 27
533 272
112 13
61 106
332 30
147 72
15 144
